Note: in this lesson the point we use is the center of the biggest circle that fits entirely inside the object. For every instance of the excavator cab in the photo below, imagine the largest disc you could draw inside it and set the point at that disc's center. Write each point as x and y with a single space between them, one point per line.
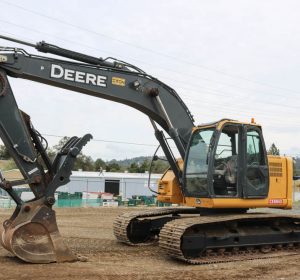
226 160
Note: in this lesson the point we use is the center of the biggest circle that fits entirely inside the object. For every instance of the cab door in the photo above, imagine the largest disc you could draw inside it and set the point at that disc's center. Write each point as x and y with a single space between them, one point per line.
226 162
256 173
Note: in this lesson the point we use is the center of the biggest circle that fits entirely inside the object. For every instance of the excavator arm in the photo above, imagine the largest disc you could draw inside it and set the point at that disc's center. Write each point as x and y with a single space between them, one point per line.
31 233
116 81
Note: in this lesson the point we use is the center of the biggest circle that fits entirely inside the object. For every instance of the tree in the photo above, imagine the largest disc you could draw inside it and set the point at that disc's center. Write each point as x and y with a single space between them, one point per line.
51 153
84 163
160 166
273 150
296 166
113 167
61 143
4 154
144 167
133 168
99 164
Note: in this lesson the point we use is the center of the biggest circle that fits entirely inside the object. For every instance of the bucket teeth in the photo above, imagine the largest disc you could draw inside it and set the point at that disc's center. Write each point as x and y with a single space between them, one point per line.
33 235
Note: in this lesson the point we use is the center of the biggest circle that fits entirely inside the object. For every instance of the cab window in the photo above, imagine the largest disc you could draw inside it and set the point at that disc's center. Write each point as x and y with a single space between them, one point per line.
196 182
256 165
225 173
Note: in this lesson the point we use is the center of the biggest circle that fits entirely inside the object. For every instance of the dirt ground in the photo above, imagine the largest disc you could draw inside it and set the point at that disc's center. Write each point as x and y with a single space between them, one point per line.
88 231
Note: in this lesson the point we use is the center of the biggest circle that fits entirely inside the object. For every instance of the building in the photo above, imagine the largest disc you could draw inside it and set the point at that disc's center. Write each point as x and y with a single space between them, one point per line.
123 184
90 184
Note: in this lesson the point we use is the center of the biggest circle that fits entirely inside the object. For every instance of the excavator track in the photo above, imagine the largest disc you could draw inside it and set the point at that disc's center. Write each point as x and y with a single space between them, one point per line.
142 227
217 239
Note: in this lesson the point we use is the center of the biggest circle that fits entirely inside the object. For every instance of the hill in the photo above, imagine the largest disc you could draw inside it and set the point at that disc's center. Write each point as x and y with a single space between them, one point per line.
128 161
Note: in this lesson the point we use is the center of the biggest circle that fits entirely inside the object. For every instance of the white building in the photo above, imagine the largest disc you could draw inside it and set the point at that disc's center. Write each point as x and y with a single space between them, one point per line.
124 184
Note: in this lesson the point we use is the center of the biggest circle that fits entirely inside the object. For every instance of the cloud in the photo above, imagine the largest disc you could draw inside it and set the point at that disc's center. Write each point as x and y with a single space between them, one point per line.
210 51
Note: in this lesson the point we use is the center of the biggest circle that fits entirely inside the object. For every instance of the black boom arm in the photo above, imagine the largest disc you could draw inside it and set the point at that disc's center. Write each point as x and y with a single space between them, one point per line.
109 79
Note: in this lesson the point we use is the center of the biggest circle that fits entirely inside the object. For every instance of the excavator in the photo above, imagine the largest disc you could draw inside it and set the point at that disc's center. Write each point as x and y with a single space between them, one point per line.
222 173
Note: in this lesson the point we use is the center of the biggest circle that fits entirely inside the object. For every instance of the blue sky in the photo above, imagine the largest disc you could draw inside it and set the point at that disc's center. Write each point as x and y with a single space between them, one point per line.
236 59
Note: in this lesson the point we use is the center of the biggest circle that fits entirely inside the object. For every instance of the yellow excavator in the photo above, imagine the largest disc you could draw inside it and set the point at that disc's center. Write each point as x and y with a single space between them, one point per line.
223 169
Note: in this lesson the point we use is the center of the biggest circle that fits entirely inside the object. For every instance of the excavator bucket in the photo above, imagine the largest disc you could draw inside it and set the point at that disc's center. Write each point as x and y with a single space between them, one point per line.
33 236
31 233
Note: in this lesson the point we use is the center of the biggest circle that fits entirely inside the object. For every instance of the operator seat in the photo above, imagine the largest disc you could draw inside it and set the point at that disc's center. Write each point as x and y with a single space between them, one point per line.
231 175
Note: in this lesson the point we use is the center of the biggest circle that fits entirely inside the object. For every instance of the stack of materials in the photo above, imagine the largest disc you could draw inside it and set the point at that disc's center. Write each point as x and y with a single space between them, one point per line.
108 200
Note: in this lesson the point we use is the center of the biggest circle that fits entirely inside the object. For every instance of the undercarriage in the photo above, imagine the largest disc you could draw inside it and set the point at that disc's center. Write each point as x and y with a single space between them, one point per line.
184 234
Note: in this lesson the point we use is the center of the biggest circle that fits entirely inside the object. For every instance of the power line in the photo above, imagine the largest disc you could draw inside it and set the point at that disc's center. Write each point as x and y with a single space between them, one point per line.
148 50
106 141
213 92
185 88
220 108
227 94
159 67
214 105
52 35
216 94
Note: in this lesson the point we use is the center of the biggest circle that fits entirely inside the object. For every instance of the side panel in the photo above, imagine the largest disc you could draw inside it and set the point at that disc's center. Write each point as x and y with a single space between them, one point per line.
280 192
278 176
169 189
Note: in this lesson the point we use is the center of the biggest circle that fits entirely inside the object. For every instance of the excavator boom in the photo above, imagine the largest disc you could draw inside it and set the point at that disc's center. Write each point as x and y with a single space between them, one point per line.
117 81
